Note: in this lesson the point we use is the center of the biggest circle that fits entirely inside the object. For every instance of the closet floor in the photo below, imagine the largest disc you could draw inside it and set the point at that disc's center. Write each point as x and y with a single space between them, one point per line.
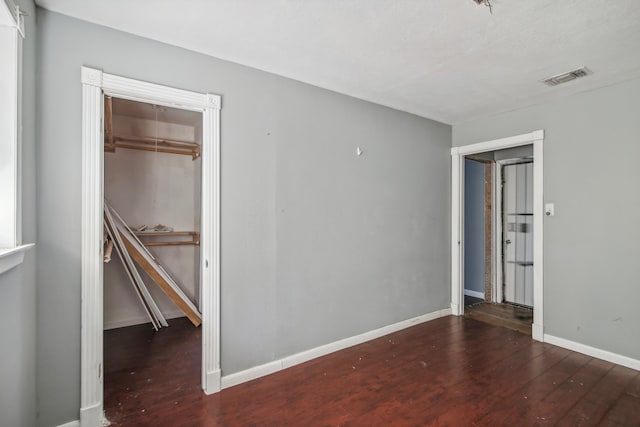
146 370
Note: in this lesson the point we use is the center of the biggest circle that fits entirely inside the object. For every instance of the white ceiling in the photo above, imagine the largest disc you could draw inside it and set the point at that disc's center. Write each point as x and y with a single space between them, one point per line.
449 60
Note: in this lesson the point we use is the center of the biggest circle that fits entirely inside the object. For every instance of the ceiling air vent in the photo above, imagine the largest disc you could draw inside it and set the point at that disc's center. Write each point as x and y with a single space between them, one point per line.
567 77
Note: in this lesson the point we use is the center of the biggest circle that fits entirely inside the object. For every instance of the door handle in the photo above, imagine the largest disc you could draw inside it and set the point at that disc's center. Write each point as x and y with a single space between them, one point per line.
508 242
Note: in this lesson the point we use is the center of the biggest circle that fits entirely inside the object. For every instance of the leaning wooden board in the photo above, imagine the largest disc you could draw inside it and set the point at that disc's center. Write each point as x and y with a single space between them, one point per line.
160 277
155 315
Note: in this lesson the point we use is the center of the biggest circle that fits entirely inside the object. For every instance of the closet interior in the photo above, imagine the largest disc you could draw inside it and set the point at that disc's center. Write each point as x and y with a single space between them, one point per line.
152 183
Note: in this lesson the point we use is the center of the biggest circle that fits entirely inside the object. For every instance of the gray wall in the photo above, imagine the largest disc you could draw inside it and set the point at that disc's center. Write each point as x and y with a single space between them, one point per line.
514 153
473 226
317 243
18 286
591 266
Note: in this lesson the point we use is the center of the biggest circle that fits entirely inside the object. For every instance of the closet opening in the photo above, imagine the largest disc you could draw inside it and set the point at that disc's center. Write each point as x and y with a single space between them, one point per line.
96 86
151 273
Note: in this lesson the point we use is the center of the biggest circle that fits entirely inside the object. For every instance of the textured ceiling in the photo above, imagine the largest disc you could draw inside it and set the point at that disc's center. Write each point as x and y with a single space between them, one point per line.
449 60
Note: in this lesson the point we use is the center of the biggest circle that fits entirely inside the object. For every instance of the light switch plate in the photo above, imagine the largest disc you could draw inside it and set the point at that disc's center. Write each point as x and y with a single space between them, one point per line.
549 209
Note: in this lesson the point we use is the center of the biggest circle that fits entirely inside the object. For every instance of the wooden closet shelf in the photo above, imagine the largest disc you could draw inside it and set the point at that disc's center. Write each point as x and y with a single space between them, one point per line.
111 141
151 144
195 238
167 233
177 243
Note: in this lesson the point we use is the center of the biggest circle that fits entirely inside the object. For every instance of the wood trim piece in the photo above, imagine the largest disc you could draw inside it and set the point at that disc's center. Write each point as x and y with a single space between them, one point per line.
10 258
91 251
497 228
122 253
488 231
165 283
210 245
457 230
150 306
10 141
136 90
593 352
15 16
499 144
537 329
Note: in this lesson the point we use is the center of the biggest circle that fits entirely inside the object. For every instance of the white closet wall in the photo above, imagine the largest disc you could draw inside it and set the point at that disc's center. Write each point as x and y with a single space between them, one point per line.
152 188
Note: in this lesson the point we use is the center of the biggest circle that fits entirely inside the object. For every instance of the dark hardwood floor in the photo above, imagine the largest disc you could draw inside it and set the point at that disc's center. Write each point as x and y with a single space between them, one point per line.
506 315
453 371
150 373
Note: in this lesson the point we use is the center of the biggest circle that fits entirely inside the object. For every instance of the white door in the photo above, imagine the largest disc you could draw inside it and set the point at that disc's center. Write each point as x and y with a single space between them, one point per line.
517 245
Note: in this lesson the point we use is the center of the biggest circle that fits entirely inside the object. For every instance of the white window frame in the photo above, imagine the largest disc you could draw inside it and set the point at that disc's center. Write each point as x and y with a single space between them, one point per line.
11 34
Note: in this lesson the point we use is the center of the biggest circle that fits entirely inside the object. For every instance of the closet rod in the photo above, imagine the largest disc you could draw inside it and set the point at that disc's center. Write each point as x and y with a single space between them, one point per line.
152 141
150 144
159 149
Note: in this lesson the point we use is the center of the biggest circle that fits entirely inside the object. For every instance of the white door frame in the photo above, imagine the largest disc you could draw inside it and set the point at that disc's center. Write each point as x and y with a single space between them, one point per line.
95 84
496 215
498 265
457 220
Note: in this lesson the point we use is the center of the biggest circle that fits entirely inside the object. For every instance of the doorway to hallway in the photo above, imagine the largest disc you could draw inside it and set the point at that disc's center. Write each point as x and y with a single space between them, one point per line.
458 154
498 237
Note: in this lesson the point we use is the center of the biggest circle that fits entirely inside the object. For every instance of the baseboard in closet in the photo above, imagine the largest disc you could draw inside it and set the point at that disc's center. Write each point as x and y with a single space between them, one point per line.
139 320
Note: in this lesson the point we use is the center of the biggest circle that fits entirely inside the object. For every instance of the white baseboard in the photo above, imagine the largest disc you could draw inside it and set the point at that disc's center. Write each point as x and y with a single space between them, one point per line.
75 423
91 415
295 359
251 374
456 309
139 320
593 352
475 294
537 332
212 382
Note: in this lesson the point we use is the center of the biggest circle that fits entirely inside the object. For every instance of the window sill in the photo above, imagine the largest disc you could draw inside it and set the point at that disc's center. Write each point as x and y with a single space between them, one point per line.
12 257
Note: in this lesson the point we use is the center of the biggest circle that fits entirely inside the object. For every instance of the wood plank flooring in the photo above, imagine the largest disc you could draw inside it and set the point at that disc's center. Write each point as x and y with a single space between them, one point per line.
505 315
453 371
